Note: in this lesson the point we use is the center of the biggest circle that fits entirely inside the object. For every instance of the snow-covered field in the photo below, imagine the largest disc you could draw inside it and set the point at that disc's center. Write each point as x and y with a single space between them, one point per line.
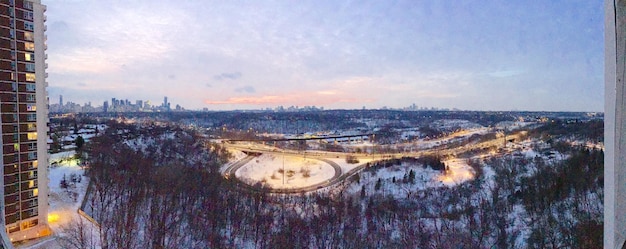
298 171
392 183
64 202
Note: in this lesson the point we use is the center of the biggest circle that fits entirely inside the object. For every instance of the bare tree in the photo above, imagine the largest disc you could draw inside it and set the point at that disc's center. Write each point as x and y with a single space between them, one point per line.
78 234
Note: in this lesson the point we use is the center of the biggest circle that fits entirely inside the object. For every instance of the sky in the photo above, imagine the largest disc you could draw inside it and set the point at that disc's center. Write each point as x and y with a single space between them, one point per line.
226 55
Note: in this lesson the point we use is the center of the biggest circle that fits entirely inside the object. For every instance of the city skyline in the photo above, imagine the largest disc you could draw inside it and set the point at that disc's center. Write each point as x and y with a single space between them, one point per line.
544 56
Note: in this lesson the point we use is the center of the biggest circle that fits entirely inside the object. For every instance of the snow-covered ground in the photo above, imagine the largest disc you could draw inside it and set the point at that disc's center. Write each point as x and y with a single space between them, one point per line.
64 202
458 172
392 178
298 171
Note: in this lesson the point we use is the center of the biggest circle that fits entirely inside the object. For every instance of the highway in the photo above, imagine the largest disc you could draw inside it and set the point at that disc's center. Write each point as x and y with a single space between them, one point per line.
340 176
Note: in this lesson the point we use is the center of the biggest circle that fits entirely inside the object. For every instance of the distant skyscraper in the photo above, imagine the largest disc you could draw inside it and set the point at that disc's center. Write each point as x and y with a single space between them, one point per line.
165 101
61 100
105 106
24 119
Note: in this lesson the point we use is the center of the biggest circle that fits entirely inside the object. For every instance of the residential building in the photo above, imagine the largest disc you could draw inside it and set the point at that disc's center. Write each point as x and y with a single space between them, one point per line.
24 119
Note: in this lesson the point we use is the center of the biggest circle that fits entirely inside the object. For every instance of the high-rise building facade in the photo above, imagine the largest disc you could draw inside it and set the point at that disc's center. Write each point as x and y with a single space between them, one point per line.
24 119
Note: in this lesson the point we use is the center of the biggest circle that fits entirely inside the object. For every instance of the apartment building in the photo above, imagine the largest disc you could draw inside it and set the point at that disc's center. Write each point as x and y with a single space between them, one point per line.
24 119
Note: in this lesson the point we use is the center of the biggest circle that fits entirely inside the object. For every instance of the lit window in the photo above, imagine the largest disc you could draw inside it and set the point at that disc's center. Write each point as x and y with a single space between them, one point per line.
30 77
29 57
29 46
13 76
32 127
32 135
31 107
35 164
35 192
28 36
31 184
16 147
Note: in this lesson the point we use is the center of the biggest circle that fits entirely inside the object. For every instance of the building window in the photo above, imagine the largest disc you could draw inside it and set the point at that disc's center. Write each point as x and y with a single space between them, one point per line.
31 127
29 57
31 87
34 164
13 227
28 36
30 98
13 76
31 117
30 77
29 46
32 155
28 5
14 86
32 135
31 107
31 175
13 65
29 26
30 67
16 147
33 203
32 184
28 15
12 33
32 146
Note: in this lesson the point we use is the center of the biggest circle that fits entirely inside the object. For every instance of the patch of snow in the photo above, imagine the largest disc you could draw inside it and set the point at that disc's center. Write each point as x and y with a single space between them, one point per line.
268 170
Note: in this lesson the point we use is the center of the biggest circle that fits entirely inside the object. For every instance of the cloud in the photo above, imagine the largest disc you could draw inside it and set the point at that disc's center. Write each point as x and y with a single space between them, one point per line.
431 54
299 99
247 89
227 76
505 73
